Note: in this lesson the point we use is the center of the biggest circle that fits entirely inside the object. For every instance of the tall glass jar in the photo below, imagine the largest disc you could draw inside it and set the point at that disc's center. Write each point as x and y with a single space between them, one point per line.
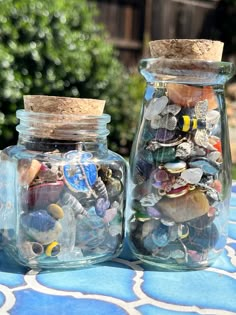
181 165
63 193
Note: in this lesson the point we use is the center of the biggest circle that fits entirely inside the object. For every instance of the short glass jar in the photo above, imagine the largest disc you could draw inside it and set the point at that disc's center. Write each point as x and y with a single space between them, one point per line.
64 192
181 165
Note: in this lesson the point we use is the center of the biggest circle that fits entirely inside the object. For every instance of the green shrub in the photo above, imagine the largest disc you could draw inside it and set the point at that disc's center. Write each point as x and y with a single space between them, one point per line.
56 48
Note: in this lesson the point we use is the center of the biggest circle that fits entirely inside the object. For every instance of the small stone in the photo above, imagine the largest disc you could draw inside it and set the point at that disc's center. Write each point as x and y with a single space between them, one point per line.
40 196
114 187
165 155
192 175
41 226
212 119
56 211
168 122
110 214
215 156
160 236
164 135
155 107
153 212
160 175
184 208
67 236
143 170
207 167
101 206
171 109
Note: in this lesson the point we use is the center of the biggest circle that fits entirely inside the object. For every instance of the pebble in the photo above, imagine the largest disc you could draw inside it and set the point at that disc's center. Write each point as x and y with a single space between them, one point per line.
41 226
168 122
143 171
114 187
171 109
66 238
110 214
184 208
160 236
207 167
101 206
153 212
212 119
164 155
56 211
164 135
160 175
155 107
192 175
40 196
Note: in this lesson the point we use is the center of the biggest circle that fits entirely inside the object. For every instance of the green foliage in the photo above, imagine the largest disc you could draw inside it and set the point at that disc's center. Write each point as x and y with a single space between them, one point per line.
56 48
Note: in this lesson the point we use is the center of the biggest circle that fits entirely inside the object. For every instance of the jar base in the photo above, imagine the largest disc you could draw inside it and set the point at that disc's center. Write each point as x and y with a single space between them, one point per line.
164 266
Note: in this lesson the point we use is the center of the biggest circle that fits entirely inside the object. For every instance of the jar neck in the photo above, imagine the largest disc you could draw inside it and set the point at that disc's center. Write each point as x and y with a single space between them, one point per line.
50 132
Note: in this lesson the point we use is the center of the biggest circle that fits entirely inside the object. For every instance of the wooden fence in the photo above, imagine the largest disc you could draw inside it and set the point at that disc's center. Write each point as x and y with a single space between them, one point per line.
132 23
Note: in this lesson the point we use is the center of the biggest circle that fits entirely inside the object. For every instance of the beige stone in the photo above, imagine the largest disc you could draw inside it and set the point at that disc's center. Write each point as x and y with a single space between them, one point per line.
181 209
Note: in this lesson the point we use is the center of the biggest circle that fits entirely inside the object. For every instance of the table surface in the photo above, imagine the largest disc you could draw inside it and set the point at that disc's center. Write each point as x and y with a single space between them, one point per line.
123 286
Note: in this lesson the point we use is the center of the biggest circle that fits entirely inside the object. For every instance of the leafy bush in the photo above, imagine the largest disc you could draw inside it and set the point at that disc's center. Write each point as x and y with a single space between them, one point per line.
56 48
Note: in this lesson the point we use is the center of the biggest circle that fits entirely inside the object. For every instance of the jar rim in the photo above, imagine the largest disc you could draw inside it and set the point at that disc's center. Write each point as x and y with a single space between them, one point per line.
23 114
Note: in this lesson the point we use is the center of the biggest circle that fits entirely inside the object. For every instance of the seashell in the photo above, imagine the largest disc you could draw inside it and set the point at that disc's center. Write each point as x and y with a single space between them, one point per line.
187 95
179 182
175 167
192 175
207 167
52 249
164 135
40 196
212 119
171 109
28 170
149 200
155 107
168 122
71 201
114 187
56 211
101 206
31 250
184 150
100 188
80 177
165 154
215 156
41 226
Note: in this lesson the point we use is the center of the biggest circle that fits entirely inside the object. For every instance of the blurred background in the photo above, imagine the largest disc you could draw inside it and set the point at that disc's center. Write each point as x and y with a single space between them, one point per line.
91 49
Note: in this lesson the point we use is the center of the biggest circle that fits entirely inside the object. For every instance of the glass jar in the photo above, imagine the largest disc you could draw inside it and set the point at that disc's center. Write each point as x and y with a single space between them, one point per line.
181 165
64 192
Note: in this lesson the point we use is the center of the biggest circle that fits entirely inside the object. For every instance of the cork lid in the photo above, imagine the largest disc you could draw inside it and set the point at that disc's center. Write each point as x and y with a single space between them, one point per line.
63 105
194 49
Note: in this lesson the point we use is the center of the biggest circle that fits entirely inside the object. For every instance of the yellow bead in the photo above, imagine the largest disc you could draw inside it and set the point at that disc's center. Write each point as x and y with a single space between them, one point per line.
52 249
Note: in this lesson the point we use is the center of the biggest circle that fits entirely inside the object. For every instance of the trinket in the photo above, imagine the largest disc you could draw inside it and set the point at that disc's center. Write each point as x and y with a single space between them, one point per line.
175 167
30 250
74 204
184 150
28 170
80 177
100 188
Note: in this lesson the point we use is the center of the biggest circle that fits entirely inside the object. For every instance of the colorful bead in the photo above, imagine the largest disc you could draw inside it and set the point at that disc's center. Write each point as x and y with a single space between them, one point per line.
52 249
56 211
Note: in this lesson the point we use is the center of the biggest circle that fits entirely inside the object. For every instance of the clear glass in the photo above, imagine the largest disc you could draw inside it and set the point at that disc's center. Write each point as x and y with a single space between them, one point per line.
64 192
181 165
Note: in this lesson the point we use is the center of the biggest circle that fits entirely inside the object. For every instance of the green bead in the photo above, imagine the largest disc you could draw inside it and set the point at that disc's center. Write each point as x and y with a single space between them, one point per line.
164 155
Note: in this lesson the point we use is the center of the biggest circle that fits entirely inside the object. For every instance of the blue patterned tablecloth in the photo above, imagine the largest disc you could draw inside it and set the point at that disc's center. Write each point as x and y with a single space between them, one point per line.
123 287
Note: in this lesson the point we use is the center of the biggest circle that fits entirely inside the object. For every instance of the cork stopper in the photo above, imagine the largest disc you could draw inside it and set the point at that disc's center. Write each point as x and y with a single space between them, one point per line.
194 49
63 105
